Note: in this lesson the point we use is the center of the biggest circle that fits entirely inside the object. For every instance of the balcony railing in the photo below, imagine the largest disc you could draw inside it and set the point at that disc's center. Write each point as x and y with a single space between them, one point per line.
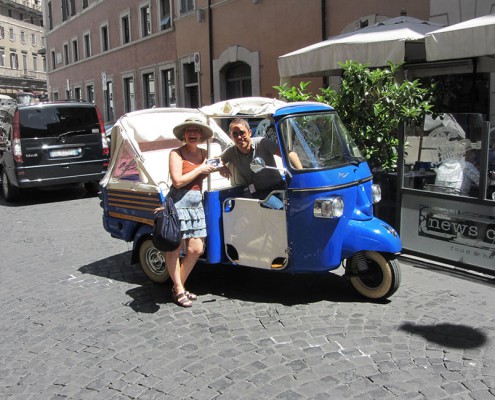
6 72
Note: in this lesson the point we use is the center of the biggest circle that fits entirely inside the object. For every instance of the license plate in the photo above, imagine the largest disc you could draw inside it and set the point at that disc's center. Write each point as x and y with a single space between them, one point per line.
65 152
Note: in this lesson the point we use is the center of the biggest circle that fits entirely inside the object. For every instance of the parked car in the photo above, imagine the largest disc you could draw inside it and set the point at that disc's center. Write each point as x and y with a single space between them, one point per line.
51 144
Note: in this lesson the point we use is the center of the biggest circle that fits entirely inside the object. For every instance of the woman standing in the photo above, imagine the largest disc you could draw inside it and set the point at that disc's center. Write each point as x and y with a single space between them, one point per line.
188 169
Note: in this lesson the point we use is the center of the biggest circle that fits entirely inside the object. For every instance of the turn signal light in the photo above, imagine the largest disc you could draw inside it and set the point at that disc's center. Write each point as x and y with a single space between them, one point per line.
376 193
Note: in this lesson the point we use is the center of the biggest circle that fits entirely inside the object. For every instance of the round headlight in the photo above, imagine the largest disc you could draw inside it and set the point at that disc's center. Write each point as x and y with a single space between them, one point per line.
332 207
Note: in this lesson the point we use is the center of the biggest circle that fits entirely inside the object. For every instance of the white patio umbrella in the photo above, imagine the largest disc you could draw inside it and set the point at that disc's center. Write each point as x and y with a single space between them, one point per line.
471 38
397 40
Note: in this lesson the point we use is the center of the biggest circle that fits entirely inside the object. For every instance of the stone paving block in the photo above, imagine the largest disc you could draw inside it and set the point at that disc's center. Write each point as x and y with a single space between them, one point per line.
482 395
433 392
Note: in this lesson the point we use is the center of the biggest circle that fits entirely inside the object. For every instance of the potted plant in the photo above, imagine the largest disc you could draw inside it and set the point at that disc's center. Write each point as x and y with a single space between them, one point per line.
373 104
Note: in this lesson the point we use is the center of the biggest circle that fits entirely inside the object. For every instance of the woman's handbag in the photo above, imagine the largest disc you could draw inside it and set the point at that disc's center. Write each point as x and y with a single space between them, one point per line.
166 228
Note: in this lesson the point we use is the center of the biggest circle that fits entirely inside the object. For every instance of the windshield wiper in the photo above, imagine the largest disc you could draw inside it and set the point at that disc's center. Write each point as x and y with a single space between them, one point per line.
353 160
69 133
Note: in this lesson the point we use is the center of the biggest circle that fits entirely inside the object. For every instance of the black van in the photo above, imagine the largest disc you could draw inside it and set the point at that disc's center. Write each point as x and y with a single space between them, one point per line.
51 144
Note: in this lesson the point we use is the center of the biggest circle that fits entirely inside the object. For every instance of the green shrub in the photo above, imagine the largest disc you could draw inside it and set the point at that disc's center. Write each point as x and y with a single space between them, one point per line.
372 104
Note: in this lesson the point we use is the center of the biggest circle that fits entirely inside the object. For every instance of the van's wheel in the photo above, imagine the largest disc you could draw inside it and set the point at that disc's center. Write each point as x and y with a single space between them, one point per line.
10 192
379 280
153 262
92 187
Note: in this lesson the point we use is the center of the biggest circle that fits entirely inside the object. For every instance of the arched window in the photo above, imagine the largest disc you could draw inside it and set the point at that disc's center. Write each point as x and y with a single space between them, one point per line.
237 80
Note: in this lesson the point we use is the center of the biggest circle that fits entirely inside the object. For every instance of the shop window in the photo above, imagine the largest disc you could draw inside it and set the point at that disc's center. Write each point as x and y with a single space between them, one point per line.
451 155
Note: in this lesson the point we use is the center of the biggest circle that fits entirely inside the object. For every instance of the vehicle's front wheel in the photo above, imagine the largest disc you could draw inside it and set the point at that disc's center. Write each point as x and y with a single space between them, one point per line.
10 192
153 262
379 280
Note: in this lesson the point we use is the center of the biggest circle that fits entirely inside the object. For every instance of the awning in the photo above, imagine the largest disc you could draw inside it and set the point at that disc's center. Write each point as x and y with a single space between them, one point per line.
397 40
471 38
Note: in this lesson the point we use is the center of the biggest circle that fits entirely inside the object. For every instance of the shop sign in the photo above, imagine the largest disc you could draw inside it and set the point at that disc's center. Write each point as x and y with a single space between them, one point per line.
449 229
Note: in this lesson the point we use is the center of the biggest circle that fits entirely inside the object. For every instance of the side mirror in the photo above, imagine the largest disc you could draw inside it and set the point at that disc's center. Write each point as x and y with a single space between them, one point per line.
258 164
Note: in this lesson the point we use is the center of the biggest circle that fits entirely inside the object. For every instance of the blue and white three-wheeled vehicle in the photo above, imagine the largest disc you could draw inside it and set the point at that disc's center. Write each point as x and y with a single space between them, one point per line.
327 220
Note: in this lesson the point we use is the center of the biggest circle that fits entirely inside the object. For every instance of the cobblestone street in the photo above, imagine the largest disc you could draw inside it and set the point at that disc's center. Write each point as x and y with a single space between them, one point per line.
78 321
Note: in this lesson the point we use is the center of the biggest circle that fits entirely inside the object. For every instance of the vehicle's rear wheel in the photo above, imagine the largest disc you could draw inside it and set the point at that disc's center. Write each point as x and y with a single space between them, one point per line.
379 280
92 187
153 262
10 192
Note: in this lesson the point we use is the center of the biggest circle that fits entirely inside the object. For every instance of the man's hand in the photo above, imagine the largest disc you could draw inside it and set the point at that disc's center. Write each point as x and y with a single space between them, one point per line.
225 172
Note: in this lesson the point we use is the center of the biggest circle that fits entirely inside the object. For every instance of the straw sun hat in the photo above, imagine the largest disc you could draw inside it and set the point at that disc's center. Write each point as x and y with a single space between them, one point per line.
206 131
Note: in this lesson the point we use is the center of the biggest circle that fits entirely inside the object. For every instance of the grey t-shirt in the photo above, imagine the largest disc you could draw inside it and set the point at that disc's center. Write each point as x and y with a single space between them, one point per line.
263 148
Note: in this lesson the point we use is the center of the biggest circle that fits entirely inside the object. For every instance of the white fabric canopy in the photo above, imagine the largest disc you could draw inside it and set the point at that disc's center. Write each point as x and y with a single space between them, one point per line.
373 45
253 106
471 38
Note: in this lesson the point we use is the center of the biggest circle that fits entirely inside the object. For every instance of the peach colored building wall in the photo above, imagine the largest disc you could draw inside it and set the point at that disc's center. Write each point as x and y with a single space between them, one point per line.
253 32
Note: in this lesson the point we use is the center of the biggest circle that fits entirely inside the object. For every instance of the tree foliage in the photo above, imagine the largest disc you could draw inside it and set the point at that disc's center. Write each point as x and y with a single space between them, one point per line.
372 104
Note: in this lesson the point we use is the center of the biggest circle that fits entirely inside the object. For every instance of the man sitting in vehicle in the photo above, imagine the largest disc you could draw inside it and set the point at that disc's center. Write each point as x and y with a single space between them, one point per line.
246 148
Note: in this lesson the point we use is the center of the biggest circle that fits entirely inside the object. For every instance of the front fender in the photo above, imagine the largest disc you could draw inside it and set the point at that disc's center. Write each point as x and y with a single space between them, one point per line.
373 235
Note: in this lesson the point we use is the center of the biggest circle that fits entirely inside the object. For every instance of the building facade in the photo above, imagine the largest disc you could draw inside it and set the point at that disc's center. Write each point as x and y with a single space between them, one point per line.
137 54
22 62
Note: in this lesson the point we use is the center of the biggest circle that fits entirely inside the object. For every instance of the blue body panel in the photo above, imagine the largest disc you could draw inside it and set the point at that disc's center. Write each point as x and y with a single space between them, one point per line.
320 244
213 213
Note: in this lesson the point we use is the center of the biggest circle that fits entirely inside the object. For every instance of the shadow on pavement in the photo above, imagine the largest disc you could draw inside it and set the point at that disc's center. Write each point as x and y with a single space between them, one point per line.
248 284
48 195
245 284
448 335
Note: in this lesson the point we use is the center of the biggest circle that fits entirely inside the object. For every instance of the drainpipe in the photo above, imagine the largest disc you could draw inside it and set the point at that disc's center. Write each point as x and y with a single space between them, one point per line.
210 51
324 31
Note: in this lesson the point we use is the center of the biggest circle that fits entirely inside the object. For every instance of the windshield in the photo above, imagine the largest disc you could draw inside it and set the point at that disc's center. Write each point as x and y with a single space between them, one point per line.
320 140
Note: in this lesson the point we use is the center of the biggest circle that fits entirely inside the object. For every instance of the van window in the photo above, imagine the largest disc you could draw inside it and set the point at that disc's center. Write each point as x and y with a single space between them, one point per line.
52 121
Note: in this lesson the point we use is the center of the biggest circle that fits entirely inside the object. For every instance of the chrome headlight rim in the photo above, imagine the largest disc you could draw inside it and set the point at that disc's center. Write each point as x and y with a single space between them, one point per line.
329 207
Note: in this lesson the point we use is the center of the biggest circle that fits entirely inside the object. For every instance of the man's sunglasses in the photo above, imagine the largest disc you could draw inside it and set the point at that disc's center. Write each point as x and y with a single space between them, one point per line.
236 134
